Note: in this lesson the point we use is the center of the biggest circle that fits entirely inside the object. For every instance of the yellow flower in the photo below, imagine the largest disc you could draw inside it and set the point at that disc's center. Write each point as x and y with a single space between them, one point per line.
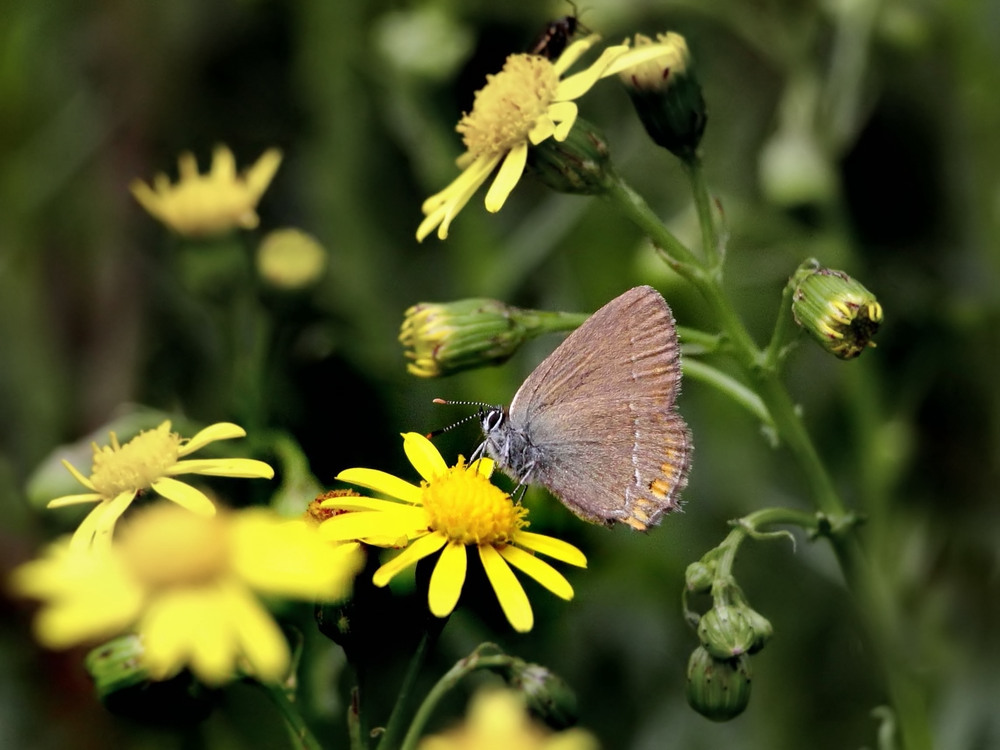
522 105
498 720
290 259
187 585
216 202
453 508
150 461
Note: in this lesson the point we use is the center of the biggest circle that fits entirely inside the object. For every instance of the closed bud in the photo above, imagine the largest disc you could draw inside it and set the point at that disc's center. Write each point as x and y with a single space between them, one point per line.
718 689
699 577
762 629
726 631
836 310
580 165
444 338
546 694
667 96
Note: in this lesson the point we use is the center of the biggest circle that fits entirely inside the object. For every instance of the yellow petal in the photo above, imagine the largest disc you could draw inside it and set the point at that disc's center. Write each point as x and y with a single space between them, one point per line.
223 467
447 579
483 466
217 431
578 84
259 637
349 502
86 497
223 166
547 545
574 52
636 56
380 481
424 456
510 172
85 481
262 172
509 591
417 550
187 166
366 524
184 495
538 569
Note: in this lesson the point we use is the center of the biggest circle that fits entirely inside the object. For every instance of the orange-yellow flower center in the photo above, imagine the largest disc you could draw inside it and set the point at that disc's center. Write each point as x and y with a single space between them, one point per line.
466 507
508 106
166 546
135 465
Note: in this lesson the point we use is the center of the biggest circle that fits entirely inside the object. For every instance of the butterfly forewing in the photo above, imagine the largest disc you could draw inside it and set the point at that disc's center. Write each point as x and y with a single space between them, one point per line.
599 412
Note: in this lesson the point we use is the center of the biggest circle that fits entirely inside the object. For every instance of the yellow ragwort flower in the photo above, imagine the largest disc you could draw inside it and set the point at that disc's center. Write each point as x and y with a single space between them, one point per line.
149 461
522 105
499 720
200 205
453 508
187 585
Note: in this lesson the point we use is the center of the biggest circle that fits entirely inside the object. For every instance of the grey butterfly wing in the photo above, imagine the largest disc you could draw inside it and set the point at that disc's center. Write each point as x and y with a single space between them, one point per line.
600 414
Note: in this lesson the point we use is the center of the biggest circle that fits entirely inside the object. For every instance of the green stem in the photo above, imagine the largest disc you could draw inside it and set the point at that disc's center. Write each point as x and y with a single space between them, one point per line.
703 204
394 727
449 680
745 397
284 700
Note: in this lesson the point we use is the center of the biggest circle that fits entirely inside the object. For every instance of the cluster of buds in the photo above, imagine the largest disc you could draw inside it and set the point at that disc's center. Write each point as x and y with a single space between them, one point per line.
719 672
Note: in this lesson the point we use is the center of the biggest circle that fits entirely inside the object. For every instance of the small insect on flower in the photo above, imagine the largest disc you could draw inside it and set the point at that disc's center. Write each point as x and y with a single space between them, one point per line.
556 35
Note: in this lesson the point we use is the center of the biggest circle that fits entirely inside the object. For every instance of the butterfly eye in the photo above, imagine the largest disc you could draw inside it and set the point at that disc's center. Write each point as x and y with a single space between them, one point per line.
492 419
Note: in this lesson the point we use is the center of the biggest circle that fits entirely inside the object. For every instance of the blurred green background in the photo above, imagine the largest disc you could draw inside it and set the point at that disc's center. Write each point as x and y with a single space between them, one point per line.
863 133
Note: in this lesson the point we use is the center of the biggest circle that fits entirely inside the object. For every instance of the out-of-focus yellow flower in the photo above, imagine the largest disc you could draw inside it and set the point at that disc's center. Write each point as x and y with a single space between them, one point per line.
521 106
188 584
150 461
498 720
200 205
453 508
290 259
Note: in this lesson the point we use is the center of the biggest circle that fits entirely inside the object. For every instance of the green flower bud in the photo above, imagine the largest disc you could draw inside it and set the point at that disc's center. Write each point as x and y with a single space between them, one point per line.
762 629
726 631
123 686
580 165
667 96
837 311
699 577
444 338
546 694
718 689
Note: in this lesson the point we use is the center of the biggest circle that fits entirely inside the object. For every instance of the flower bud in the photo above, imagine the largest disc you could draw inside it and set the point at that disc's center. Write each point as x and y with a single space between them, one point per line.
699 577
546 694
718 689
580 165
444 338
123 685
836 310
725 631
762 629
667 96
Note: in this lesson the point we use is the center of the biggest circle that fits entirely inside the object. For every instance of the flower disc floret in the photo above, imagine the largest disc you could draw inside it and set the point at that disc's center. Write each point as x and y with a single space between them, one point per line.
467 508
507 109
138 463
